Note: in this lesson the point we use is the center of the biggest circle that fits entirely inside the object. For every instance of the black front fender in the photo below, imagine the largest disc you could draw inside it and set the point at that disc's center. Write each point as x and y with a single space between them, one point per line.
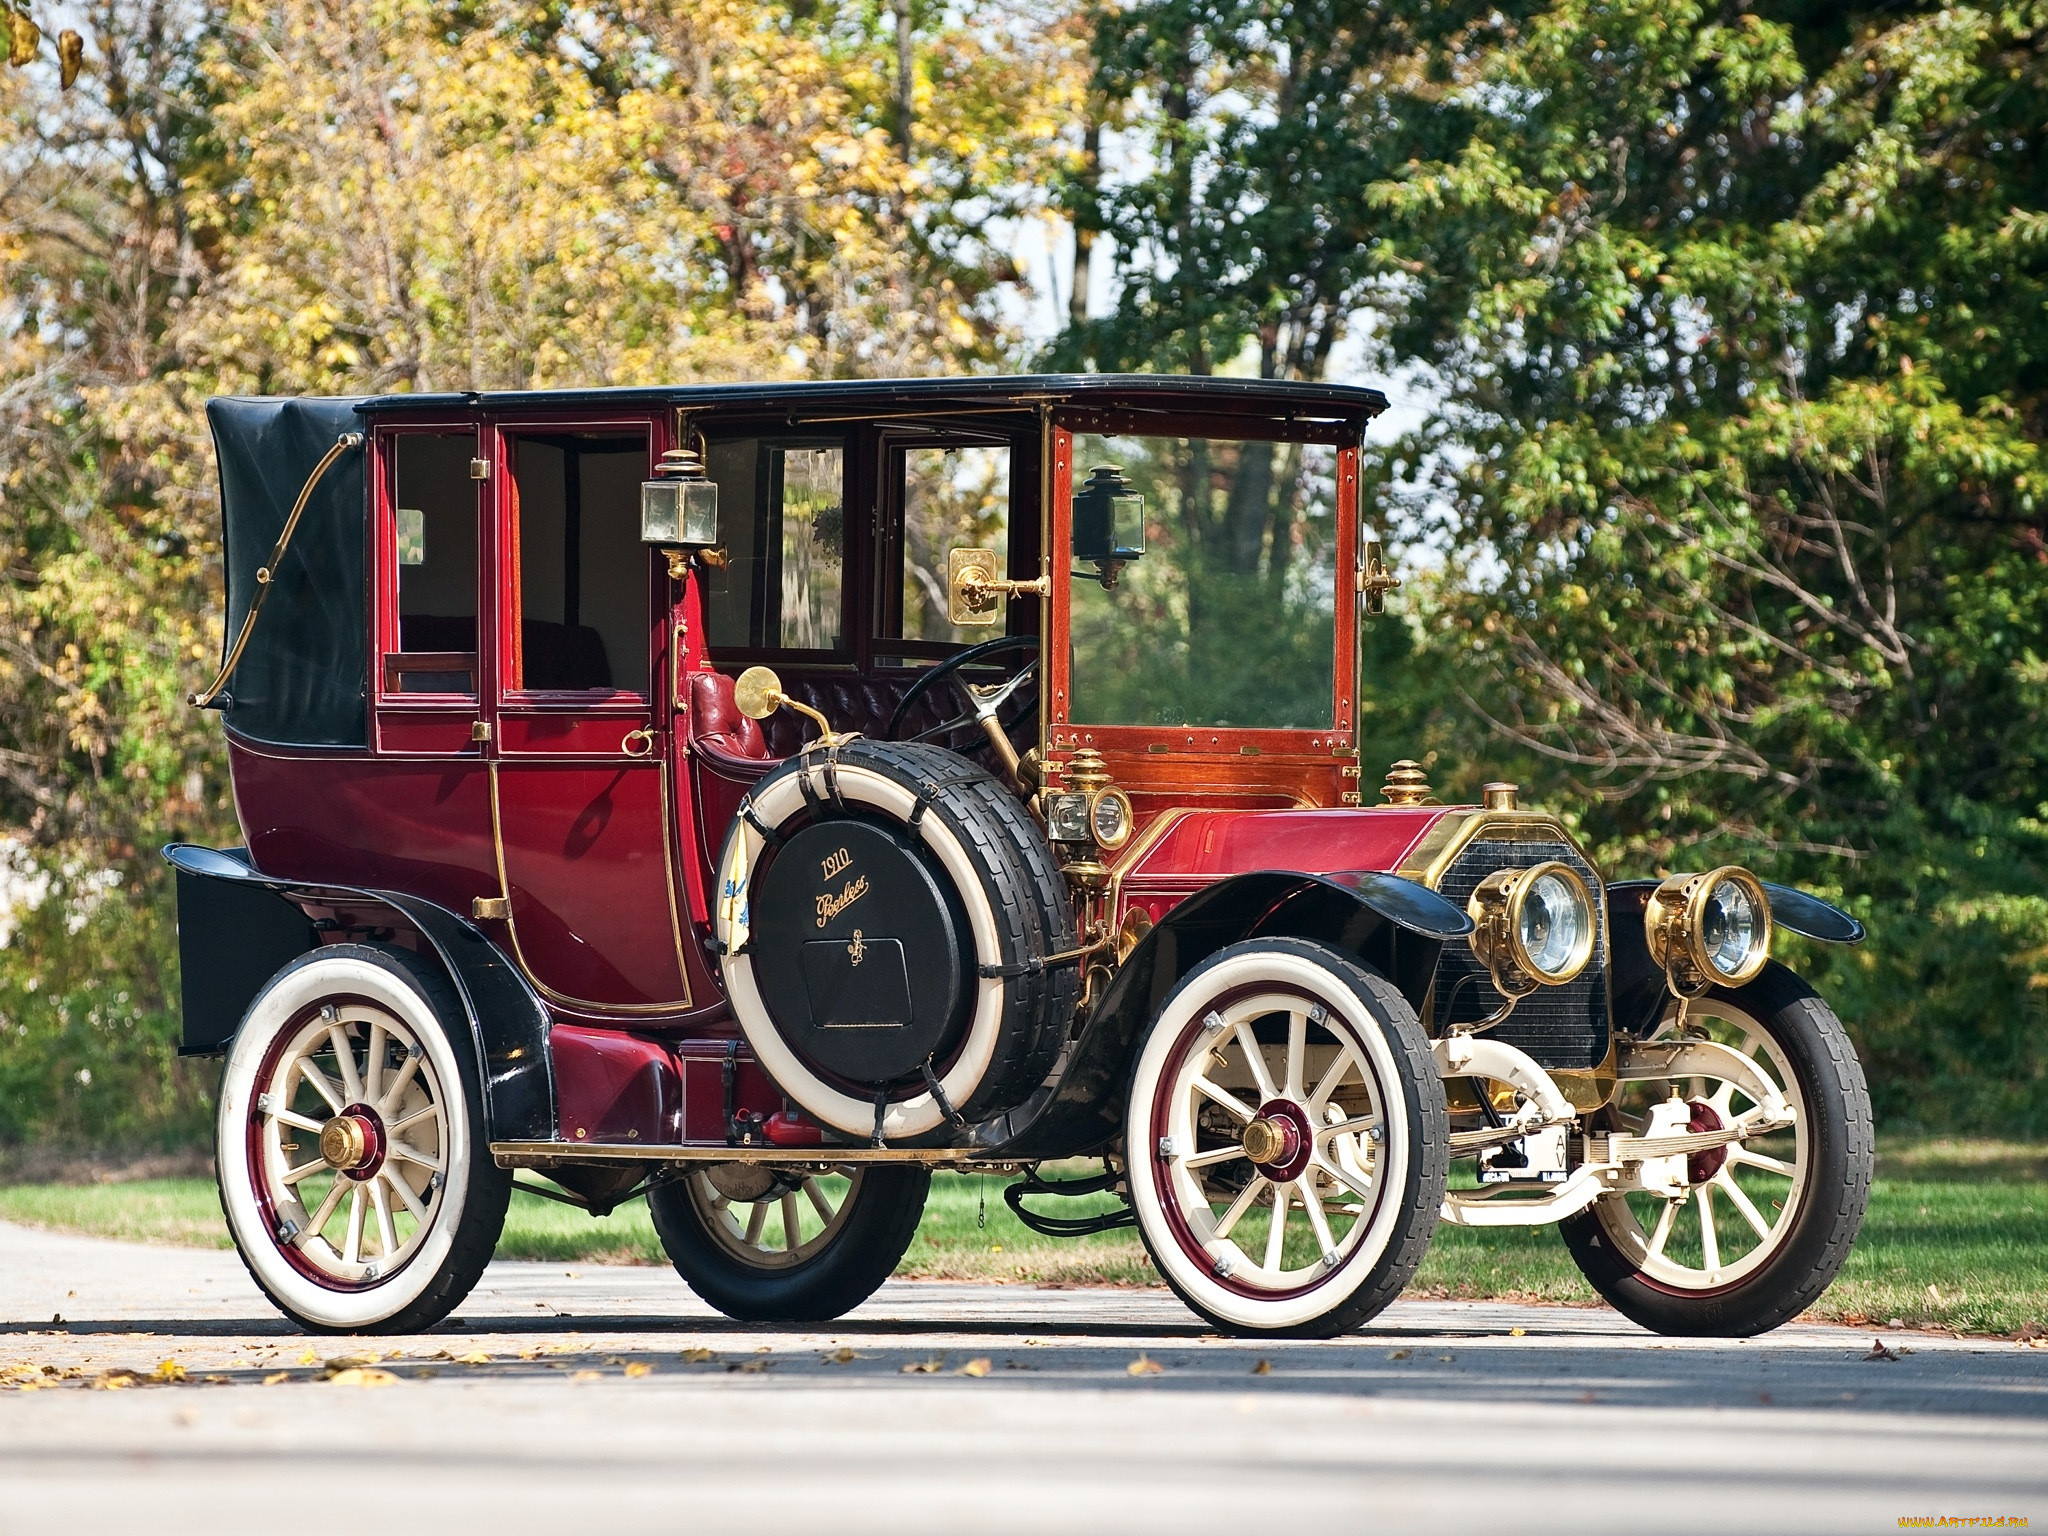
1639 986
1396 926
237 927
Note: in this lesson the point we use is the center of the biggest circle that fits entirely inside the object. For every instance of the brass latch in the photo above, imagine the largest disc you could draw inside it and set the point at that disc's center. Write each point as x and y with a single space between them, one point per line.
480 730
497 908
972 587
1374 579
479 469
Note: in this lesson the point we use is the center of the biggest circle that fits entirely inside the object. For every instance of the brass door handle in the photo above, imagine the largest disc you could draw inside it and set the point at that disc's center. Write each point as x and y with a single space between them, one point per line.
645 743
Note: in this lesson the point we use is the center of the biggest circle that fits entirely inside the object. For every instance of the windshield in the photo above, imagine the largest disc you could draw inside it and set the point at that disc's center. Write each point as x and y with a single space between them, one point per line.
1227 618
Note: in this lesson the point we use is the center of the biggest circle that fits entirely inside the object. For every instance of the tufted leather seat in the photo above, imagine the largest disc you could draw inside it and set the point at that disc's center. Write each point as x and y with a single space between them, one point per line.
864 704
717 728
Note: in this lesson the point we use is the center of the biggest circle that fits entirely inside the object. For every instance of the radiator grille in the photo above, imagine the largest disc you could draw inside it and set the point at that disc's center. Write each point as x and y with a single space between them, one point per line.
1562 1027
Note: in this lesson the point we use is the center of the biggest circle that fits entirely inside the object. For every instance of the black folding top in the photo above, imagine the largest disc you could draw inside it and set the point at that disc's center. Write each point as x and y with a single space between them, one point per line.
304 678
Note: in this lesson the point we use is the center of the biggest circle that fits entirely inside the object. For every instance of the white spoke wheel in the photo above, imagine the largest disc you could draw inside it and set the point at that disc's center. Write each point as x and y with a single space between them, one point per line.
350 1144
1287 1139
1735 1241
797 1244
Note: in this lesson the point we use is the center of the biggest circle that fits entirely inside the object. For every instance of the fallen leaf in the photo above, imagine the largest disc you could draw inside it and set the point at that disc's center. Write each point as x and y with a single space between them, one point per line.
638 1368
978 1367
167 1370
216 1381
362 1376
1142 1366
614 1359
345 1362
1447 1358
843 1355
1263 1368
1518 1333
587 1376
113 1381
473 1357
308 1358
699 1355
1878 1351
752 1367
275 1377
1399 1354
929 1367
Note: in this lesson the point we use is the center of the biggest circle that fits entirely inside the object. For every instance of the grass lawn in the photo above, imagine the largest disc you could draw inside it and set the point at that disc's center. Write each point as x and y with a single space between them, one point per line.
1957 1237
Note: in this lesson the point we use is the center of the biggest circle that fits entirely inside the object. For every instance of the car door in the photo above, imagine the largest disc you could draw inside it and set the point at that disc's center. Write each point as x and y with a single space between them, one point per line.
581 789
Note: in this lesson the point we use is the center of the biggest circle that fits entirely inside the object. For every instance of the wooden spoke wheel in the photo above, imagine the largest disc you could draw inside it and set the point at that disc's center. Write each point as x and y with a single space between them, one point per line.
1737 1239
1287 1140
350 1149
768 1244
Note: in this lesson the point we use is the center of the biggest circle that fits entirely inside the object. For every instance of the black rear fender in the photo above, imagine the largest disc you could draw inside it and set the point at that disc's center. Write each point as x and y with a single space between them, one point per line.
238 927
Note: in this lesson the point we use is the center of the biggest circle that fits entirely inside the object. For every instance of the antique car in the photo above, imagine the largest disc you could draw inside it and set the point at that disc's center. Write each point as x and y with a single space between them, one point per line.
756 798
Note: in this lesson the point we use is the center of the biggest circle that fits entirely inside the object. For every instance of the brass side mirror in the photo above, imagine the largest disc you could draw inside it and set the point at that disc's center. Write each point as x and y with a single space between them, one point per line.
758 694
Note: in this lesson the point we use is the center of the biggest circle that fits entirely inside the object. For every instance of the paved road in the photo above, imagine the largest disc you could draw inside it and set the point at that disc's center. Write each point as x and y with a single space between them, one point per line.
1444 1417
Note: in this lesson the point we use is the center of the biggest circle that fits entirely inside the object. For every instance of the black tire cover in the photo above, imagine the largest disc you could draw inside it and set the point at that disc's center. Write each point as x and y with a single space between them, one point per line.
885 909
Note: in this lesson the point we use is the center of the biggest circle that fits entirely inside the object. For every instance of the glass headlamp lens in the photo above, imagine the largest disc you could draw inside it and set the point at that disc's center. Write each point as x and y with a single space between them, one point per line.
1553 923
1730 927
1110 819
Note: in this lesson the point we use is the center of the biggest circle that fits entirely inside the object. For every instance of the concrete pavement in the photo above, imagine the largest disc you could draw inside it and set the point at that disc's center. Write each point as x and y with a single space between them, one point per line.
612 1398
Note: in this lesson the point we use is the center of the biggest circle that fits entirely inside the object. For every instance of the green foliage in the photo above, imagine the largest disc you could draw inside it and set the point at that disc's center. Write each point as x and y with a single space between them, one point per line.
1733 329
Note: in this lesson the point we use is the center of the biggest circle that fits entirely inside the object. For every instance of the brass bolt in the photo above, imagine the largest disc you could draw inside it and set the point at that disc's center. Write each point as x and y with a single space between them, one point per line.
1500 795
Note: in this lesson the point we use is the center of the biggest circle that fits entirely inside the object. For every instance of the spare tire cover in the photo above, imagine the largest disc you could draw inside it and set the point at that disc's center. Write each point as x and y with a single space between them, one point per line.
883 912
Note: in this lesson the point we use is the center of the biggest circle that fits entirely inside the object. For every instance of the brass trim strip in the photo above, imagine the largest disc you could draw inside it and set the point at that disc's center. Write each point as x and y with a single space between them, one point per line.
265 572
563 999
537 1154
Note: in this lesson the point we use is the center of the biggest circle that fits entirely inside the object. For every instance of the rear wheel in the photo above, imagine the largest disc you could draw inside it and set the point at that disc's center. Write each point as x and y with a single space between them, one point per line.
1735 1240
1287 1139
768 1244
350 1144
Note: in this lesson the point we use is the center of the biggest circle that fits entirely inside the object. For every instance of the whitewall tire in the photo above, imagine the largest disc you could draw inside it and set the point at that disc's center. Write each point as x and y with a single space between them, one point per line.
350 1144
1287 1140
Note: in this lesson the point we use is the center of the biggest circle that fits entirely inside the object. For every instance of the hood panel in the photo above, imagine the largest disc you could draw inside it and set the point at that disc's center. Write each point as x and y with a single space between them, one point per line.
1203 846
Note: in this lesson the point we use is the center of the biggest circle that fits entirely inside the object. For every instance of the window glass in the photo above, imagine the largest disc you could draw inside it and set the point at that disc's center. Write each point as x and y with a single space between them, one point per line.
953 498
782 509
434 505
582 575
1228 618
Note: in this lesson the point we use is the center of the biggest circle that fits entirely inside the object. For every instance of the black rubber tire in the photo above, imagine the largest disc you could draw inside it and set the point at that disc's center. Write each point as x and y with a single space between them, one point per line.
887 1206
1017 879
1836 1101
488 1188
1416 1202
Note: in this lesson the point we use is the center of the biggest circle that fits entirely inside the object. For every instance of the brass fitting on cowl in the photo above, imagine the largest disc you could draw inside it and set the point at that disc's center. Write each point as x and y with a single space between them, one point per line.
1500 796
1087 771
1406 784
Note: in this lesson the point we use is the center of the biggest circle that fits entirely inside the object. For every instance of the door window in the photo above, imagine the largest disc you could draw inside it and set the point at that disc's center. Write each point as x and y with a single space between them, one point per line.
581 571
434 516
954 497
782 502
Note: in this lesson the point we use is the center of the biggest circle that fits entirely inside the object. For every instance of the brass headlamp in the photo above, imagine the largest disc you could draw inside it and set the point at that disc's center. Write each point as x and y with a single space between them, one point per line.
1533 927
1710 930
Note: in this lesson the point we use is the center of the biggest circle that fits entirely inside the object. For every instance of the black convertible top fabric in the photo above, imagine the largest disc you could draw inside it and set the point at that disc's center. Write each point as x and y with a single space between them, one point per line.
304 678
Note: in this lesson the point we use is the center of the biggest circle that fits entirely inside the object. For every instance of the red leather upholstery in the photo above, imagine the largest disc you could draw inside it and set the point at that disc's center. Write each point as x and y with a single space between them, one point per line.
716 725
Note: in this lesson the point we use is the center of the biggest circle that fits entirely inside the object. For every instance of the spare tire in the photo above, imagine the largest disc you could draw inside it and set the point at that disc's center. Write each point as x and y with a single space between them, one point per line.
884 914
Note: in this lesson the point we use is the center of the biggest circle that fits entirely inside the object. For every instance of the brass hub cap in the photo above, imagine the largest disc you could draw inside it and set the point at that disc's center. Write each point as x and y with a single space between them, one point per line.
345 1143
1264 1140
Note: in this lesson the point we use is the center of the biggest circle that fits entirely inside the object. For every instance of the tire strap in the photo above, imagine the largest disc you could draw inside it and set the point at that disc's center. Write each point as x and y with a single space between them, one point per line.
928 796
771 836
881 1110
832 779
938 1090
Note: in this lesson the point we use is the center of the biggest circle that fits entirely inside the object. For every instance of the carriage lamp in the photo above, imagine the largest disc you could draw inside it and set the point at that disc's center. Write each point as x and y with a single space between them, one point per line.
1533 927
1109 522
1090 809
1709 930
680 504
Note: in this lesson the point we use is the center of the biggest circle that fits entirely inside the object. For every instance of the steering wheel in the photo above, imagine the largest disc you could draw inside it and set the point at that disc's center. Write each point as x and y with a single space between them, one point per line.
982 702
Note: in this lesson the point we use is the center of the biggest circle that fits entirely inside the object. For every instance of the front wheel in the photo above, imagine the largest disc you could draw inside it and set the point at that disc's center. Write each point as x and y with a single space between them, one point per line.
1735 1240
775 1245
1287 1140
354 1170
